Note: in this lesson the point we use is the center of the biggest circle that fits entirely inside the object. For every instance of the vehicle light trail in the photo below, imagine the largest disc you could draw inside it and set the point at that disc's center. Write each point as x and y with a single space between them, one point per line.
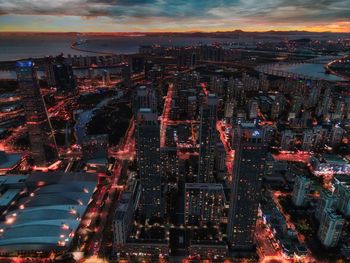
164 119
230 153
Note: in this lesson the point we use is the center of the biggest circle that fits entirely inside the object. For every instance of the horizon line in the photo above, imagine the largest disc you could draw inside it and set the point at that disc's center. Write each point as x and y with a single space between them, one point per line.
176 32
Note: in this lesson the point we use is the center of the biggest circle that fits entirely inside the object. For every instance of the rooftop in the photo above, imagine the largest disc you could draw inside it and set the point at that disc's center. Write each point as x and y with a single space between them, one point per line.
12 180
9 160
333 158
48 218
248 125
7 197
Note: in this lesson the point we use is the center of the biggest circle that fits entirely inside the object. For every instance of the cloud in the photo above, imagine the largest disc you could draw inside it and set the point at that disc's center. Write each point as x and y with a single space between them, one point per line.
196 13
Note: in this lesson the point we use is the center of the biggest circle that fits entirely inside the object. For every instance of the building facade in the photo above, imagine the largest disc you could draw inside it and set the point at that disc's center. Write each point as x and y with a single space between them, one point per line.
300 190
207 139
148 160
41 137
330 229
203 203
250 156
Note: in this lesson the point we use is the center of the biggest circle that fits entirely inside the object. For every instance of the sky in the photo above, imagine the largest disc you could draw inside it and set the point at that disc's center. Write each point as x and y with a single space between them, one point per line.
173 15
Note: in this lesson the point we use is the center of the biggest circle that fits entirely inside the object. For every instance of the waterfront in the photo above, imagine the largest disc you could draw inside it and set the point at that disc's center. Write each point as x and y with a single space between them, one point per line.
84 117
310 69
24 46
16 47
302 70
28 46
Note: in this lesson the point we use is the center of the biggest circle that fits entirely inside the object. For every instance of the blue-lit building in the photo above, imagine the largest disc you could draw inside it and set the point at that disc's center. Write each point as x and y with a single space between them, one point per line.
41 137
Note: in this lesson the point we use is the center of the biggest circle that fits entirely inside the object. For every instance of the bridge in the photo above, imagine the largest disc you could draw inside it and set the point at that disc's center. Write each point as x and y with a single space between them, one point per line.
270 69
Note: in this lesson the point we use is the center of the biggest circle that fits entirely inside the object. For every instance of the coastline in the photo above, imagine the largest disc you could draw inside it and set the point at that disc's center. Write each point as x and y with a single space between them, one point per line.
76 47
328 67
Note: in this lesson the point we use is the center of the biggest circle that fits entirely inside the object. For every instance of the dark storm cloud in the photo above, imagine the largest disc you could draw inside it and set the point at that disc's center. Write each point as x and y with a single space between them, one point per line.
266 10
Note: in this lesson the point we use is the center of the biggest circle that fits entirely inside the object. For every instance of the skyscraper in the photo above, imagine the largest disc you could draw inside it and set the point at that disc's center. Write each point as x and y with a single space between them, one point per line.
208 139
342 191
148 160
300 190
327 201
64 78
250 154
144 97
330 229
59 73
41 137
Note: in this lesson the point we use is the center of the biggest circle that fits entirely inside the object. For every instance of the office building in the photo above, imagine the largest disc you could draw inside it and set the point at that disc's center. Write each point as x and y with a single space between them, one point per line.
148 160
248 169
41 137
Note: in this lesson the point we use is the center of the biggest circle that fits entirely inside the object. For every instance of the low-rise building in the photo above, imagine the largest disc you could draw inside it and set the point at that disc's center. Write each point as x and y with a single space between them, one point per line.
208 249
123 218
9 161
204 202
329 164
47 219
145 248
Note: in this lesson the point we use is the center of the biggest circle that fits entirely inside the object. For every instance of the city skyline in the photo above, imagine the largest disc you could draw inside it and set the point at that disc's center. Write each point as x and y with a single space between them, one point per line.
174 16
156 131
